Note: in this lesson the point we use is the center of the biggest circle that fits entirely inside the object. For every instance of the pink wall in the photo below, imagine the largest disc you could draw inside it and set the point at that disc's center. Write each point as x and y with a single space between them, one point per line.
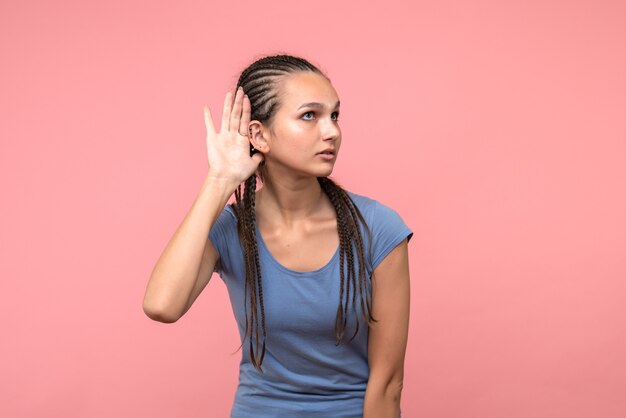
496 129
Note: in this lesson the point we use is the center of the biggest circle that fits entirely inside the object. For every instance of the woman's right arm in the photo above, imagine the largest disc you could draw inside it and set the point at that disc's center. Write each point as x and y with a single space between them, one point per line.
187 262
187 258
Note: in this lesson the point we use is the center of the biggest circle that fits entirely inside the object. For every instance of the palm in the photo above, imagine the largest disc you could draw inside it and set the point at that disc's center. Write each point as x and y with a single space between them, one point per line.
228 149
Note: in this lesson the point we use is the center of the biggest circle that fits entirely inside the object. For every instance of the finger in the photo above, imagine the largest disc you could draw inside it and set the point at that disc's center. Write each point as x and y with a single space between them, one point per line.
226 111
208 120
245 116
235 115
258 158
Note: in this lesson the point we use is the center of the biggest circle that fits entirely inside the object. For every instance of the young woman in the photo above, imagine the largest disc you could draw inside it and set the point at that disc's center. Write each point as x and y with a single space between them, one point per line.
318 277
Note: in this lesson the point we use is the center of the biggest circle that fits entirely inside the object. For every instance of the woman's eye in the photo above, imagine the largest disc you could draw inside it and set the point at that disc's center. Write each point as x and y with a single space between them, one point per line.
311 115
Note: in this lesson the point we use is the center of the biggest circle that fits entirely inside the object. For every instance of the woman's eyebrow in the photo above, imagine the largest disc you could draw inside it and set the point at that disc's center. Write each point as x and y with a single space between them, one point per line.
317 105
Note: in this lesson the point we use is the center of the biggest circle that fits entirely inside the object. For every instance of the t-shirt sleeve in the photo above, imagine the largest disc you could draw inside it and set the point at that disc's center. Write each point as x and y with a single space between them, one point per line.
218 236
388 230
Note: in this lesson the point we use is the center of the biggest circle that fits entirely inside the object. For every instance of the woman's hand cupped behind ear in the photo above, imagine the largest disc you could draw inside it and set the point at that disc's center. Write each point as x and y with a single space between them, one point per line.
228 150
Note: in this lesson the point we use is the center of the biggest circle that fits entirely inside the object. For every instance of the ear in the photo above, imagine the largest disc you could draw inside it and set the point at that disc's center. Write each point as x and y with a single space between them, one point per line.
257 133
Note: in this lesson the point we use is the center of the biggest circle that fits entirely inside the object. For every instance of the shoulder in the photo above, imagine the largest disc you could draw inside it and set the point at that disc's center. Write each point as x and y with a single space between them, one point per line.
227 217
229 213
387 227
224 237
372 209
364 203
224 225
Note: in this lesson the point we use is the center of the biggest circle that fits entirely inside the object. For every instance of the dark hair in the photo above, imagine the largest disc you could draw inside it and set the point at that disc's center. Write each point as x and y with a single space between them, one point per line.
260 81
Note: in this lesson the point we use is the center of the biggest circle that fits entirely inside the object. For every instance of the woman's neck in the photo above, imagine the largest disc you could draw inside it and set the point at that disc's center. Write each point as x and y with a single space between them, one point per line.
287 202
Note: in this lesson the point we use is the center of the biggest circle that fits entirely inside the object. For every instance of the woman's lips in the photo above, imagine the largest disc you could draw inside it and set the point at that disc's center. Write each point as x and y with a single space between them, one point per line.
327 155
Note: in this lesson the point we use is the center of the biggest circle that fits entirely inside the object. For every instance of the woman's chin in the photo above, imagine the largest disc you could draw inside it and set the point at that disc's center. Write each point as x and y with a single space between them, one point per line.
327 172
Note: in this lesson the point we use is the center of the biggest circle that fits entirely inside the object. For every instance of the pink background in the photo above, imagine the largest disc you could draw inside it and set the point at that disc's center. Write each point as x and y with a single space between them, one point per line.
496 129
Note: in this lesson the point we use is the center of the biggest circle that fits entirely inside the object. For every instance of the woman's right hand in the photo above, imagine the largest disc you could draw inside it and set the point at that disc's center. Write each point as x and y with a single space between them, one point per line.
229 149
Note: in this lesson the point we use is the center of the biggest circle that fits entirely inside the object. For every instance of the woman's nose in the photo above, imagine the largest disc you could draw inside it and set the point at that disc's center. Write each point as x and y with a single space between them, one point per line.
330 129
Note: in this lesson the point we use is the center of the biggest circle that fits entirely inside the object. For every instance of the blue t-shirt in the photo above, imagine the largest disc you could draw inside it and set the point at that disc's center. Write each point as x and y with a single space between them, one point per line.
305 373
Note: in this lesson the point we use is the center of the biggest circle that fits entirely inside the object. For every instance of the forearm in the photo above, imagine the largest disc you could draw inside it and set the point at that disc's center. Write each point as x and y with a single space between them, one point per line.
382 400
175 273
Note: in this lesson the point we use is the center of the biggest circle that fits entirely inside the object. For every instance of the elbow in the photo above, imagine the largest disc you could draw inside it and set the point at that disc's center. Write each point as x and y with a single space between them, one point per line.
390 388
382 398
397 381
394 389
157 313
392 396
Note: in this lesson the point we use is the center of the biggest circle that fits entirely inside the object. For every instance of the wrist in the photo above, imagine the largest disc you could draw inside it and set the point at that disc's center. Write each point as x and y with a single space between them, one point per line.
219 186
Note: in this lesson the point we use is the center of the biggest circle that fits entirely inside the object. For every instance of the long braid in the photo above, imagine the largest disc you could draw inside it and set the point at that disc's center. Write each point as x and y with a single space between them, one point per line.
256 267
354 211
259 81
245 211
346 209
340 321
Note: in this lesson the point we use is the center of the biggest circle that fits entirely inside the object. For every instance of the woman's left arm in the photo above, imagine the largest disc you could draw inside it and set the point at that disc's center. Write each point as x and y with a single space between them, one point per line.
388 337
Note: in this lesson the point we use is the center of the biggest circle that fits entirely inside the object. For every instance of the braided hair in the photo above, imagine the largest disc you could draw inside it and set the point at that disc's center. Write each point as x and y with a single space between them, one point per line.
260 82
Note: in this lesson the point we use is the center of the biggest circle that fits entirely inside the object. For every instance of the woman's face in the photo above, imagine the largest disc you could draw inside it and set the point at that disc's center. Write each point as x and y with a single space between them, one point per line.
305 137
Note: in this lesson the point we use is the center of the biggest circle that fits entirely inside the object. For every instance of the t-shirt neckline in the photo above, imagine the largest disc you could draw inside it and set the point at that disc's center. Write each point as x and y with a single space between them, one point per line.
285 269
